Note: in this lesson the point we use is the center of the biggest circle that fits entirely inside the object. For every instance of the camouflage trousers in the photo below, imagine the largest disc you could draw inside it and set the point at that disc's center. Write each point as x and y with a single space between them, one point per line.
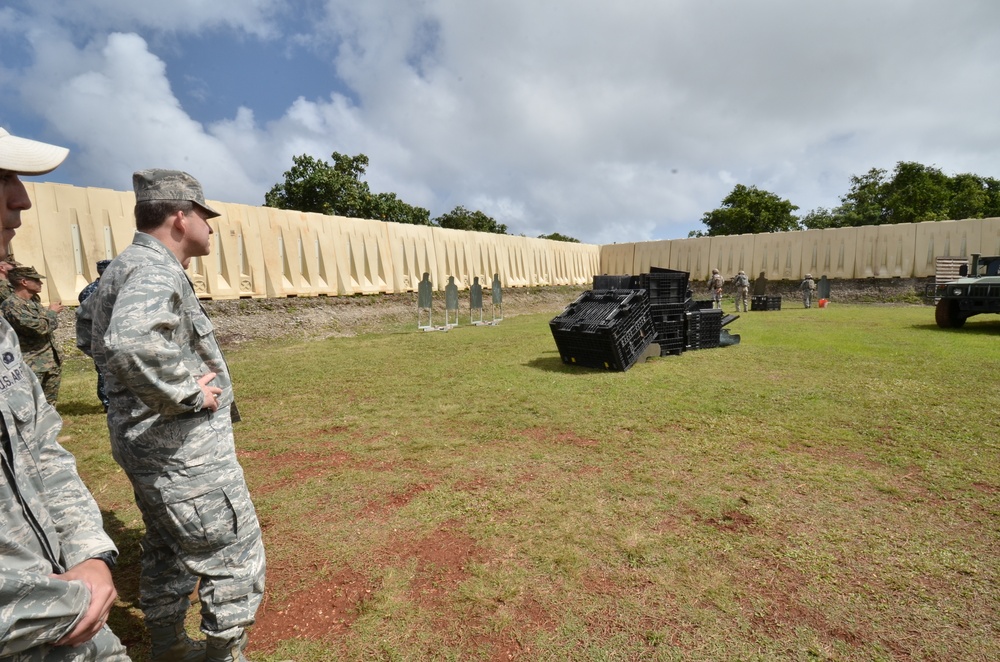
104 647
212 537
742 295
50 380
807 298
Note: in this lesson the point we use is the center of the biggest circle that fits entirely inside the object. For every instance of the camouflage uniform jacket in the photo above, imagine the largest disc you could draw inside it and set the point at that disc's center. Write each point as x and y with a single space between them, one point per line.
35 326
152 341
49 522
6 289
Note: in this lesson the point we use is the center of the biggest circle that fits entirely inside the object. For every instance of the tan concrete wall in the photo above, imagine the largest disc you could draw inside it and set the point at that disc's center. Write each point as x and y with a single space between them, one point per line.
263 252
906 250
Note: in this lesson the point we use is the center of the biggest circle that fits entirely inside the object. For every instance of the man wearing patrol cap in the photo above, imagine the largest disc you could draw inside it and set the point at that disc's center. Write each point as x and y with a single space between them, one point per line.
35 326
170 416
55 565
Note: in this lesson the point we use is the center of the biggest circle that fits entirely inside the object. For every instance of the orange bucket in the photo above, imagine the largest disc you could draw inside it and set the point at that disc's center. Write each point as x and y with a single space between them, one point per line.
823 302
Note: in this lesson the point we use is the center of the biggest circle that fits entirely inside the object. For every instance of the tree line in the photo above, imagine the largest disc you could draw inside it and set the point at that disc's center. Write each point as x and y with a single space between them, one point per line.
911 193
338 189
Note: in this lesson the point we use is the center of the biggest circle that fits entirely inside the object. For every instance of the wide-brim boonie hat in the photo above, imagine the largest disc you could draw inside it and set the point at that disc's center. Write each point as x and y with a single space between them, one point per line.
29 157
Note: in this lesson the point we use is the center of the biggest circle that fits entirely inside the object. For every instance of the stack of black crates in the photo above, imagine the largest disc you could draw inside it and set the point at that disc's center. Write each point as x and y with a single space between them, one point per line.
667 290
612 325
704 326
607 328
763 302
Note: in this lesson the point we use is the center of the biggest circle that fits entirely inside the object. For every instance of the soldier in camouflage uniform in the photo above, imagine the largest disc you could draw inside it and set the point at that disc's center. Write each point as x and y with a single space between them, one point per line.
808 286
35 326
83 296
715 284
170 419
55 559
742 284
6 289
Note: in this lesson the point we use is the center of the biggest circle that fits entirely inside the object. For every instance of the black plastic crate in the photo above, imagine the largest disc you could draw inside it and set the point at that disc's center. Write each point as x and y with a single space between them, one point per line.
618 282
699 304
703 328
671 347
666 313
765 302
606 329
665 287
594 310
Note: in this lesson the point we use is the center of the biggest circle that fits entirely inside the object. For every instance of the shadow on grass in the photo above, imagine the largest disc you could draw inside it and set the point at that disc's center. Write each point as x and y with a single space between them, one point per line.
984 327
125 619
555 364
78 408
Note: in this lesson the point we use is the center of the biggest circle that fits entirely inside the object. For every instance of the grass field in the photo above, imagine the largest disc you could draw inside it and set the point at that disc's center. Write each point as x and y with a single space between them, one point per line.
828 489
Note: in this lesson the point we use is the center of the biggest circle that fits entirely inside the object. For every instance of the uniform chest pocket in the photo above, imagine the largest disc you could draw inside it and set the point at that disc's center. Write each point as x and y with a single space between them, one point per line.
202 325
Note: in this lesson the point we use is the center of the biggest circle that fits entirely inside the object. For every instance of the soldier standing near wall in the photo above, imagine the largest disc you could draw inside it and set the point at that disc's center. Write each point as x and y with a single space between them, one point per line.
170 417
35 326
55 559
742 284
715 284
808 286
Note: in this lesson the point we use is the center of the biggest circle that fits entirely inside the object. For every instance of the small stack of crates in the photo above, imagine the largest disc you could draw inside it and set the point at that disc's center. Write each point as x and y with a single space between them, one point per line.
667 293
704 326
764 302
607 329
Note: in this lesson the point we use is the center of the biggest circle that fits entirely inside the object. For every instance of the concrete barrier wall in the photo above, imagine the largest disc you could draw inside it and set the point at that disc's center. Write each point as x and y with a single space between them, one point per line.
262 252
906 250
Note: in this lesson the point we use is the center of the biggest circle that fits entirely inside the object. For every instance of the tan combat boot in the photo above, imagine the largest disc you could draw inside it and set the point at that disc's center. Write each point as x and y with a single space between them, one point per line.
170 643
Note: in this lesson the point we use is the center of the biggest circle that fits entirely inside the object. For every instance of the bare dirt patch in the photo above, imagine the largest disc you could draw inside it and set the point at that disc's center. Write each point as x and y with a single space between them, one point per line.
324 610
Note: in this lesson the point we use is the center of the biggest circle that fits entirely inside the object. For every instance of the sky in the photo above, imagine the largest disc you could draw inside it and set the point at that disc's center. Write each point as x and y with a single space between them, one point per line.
609 122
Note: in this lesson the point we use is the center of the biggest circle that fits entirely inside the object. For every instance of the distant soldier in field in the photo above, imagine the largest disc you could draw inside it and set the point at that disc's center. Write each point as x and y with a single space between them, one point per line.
715 284
808 286
742 284
35 326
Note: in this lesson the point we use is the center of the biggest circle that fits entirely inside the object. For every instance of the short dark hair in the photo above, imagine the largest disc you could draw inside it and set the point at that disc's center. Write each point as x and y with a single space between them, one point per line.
150 214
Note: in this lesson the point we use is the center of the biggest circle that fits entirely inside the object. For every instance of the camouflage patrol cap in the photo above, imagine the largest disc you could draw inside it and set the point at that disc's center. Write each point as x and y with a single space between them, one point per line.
18 273
102 265
156 184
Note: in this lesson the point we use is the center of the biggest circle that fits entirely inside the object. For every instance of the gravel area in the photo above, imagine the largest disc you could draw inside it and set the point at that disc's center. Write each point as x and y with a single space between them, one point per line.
244 320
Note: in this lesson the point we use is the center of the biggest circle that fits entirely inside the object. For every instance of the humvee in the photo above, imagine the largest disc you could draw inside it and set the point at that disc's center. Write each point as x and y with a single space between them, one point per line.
977 291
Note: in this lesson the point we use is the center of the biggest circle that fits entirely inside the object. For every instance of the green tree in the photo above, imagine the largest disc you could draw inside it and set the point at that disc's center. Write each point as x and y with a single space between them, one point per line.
912 194
821 218
749 210
387 207
864 204
461 218
313 185
555 236
916 193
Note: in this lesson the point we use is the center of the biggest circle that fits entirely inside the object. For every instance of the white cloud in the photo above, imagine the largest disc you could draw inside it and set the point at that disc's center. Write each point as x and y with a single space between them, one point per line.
605 121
